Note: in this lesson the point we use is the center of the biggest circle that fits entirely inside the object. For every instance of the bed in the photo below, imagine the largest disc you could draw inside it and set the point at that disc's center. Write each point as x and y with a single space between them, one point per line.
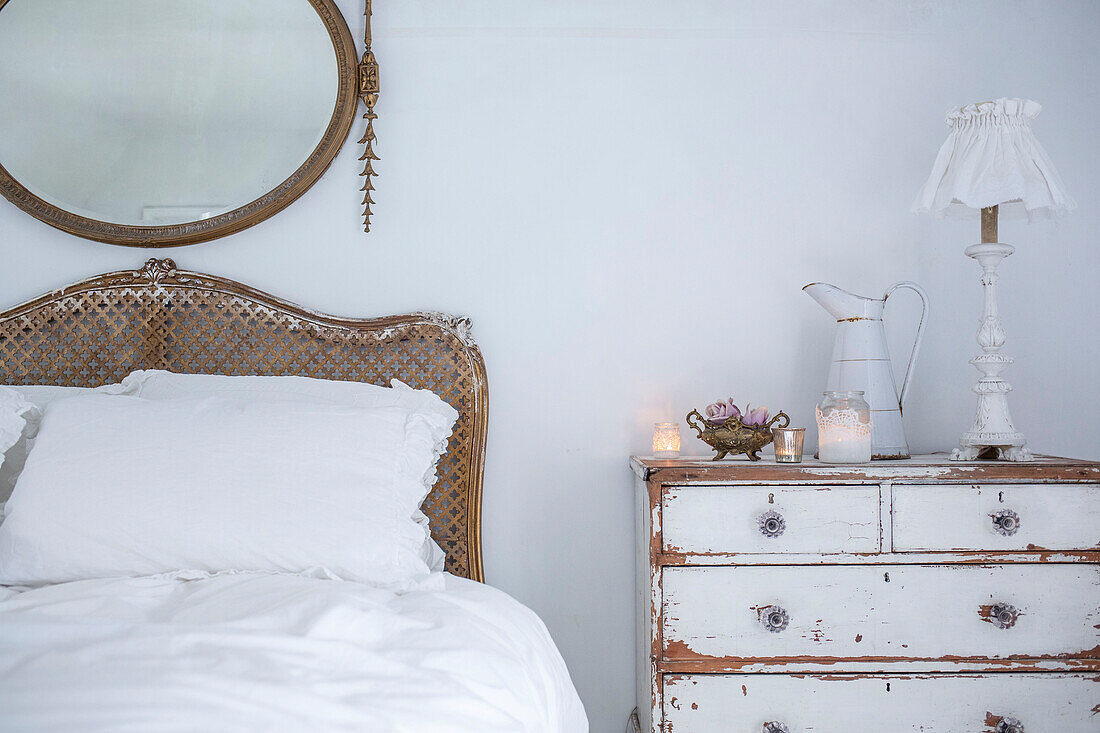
191 647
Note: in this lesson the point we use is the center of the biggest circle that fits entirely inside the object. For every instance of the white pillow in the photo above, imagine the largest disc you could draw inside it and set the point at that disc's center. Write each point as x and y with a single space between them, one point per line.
157 384
123 486
39 396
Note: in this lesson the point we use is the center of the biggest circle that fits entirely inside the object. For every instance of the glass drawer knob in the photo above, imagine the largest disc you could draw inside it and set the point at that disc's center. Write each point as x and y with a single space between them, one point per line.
775 727
1006 522
1010 725
774 618
1003 615
771 523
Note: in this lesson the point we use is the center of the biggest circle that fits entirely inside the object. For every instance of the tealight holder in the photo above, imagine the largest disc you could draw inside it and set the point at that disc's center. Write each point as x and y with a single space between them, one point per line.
788 444
666 440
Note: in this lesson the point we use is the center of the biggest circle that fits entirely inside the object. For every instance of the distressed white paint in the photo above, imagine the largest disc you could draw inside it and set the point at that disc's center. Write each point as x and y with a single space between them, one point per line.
856 704
923 468
852 611
724 519
945 517
993 426
858 613
884 558
648 593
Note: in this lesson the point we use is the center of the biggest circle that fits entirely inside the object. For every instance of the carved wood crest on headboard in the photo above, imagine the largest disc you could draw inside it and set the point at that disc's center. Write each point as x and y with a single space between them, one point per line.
160 317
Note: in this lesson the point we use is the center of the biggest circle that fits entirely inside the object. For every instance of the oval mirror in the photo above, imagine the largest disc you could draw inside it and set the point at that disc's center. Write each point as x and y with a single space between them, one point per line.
157 123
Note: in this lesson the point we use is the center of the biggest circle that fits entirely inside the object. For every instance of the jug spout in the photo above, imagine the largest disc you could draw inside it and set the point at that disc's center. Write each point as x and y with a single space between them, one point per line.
842 305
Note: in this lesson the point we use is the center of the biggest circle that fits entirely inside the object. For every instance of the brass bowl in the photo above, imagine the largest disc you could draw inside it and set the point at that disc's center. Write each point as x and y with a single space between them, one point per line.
734 436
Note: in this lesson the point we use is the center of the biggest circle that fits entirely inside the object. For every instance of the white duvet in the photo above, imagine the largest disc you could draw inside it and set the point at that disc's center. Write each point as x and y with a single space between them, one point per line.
277 652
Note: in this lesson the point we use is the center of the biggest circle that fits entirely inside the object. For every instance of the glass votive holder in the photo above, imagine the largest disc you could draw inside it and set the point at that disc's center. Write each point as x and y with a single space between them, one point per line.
788 444
666 440
844 428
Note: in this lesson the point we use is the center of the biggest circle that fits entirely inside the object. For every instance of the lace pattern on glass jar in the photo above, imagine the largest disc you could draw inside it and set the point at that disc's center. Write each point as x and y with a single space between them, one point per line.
844 418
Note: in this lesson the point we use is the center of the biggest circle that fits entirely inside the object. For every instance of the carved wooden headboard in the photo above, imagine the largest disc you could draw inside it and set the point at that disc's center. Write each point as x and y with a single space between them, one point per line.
159 317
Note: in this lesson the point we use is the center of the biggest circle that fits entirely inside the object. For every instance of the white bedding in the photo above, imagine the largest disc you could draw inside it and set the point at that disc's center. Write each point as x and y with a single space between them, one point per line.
278 652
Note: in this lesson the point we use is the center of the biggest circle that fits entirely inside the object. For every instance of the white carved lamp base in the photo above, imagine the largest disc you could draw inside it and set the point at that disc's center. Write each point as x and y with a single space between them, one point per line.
992 435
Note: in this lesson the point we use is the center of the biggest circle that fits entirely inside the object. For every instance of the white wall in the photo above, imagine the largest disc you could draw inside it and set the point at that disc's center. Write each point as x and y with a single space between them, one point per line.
627 196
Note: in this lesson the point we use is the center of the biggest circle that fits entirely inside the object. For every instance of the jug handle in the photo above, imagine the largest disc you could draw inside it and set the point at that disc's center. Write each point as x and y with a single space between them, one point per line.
920 333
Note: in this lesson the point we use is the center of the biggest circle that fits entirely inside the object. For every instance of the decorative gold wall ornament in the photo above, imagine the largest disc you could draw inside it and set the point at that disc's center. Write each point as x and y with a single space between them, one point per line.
368 92
161 317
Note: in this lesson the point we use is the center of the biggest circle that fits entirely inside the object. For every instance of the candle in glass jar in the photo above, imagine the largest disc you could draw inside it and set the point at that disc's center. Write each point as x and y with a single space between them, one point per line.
666 440
844 445
844 428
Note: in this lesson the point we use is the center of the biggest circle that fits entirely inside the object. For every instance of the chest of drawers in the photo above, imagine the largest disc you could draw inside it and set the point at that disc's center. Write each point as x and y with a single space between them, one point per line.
919 595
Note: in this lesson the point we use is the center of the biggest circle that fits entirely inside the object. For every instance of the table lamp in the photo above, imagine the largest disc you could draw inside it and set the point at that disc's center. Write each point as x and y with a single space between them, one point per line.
992 163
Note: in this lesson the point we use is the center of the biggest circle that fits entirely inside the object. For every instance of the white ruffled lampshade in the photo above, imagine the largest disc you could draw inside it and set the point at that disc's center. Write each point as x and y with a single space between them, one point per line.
992 158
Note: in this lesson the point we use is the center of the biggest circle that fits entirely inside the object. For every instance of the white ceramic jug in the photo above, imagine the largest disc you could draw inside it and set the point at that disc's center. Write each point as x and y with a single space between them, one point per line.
861 360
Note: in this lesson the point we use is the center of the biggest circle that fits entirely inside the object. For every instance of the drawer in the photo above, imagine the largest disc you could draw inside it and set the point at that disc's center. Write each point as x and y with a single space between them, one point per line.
712 520
963 517
878 612
1040 703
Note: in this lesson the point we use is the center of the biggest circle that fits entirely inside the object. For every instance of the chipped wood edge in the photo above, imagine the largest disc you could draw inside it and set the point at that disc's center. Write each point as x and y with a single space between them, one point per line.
648 641
1047 470
880 664
881 558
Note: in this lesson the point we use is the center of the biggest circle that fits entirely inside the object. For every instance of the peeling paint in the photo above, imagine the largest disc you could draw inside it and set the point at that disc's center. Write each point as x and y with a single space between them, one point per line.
856 703
706 651
929 468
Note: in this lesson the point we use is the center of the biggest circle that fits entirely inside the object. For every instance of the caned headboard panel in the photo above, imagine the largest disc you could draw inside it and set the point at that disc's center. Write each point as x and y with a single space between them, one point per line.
159 317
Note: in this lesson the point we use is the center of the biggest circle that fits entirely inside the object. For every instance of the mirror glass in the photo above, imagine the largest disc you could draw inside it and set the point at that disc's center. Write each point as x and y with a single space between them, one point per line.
161 112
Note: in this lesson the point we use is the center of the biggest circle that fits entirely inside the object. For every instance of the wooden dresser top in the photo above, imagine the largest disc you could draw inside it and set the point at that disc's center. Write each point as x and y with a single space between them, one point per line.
931 468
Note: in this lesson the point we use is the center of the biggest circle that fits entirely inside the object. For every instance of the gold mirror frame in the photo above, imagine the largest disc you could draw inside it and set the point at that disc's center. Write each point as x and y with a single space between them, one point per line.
252 213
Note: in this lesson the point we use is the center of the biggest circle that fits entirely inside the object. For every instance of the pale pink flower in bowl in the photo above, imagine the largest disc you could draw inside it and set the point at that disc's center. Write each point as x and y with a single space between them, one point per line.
759 416
720 412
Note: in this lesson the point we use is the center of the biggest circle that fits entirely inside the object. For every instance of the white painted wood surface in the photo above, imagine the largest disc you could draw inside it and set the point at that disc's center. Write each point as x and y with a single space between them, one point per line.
888 558
920 612
1043 703
817 519
959 517
707 572
647 592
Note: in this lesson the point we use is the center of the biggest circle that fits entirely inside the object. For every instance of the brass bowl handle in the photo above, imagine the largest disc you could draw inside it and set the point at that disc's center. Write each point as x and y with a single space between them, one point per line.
1006 522
780 414
771 523
699 423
